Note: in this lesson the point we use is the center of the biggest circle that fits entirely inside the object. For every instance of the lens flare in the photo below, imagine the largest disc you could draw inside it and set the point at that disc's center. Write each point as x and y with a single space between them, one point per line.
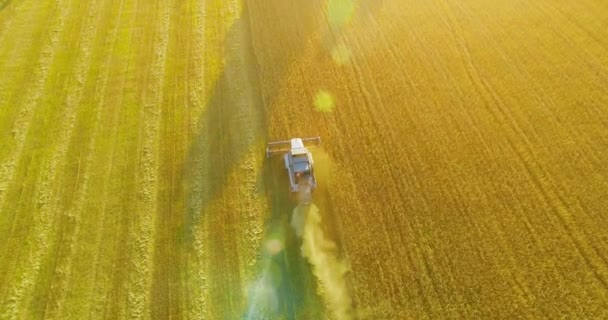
324 101
339 13
274 246
263 299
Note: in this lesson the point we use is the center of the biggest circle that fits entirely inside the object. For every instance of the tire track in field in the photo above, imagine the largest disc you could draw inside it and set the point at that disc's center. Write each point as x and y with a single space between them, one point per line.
521 285
12 106
20 107
451 24
520 280
372 118
27 105
100 294
115 161
46 198
553 197
135 41
548 106
20 46
537 175
584 31
141 253
430 261
569 35
588 59
466 216
168 287
415 256
71 222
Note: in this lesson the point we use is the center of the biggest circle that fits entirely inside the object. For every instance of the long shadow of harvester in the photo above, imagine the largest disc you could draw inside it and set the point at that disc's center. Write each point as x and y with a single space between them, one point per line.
270 32
235 116
233 121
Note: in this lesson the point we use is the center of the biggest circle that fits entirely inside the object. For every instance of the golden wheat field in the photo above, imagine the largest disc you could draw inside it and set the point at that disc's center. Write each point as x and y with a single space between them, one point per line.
463 170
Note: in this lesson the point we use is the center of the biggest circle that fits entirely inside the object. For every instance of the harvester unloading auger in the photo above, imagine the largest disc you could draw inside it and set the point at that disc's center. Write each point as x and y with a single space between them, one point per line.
299 164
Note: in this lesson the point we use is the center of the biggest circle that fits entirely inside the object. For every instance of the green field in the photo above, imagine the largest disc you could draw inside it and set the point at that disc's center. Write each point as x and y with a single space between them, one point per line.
463 172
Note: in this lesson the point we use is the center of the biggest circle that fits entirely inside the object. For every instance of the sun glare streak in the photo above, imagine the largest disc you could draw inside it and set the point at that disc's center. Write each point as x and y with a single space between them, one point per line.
264 298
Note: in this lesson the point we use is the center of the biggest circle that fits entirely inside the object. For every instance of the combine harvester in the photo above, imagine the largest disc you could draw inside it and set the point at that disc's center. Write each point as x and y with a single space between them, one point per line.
299 165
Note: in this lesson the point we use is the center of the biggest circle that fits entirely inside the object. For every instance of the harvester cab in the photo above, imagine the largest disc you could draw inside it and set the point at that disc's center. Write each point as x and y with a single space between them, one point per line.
298 162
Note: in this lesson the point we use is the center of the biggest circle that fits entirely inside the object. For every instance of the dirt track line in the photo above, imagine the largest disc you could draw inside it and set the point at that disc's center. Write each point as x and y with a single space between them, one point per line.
481 86
46 192
544 99
134 34
366 120
537 174
419 257
549 192
99 295
601 77
167 284
371 95
493 98
474 125
588 58
542 96
140 279
109 259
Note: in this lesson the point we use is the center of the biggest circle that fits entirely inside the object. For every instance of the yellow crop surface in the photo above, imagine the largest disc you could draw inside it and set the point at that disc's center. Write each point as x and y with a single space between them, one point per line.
463 172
